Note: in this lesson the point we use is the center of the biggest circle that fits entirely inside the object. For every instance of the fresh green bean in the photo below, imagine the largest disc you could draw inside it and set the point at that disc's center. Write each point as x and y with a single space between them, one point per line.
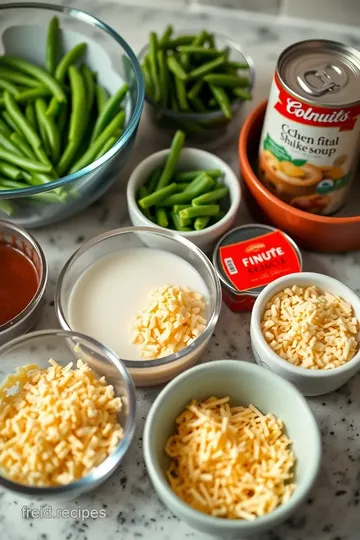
177 224
22 123
37 73
17 77
32 94
221 97
206 68
237 65
166 35
69 59
198 105
154 179
51 131
62 120
176 68
200 51
198 211
9 86
158 196
218 216
147 79
211 40
142 193
181 94
203 184
7 207
243 94
173 102
52 45
153 48
5 183
161 217
184 222
181 186
211 197
189 176
23 162
172 159
20 142
102 96
10 171
30 115
89 86
199 180
10 122
4 128
232 81
195 90
178 207
197 42
201 222
107 146
6 143
78 122
163 77
96 146
176 42
109 111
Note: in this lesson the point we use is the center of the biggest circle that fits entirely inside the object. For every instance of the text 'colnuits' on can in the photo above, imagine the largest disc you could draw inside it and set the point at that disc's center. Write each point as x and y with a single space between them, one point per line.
249 257
310 139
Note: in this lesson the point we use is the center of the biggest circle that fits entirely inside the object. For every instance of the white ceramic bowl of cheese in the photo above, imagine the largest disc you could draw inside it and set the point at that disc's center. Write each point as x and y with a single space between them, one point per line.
310 382
244 383
190 159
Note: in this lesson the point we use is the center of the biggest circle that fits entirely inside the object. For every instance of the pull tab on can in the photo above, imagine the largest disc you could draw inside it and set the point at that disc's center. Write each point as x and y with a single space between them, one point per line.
321 80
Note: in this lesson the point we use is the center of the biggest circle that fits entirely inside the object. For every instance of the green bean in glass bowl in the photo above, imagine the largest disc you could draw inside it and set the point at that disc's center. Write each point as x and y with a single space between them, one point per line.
196 81
71 97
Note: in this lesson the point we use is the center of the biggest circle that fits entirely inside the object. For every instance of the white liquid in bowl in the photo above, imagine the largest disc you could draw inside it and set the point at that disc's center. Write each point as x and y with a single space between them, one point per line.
110 294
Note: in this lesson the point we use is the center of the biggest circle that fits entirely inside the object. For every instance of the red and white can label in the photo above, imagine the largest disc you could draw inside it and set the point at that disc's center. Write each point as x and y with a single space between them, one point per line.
308 153
256 262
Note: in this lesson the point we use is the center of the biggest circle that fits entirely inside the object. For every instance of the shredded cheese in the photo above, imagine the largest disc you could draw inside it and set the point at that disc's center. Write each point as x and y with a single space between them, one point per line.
231 462
310 328
174 318
60 424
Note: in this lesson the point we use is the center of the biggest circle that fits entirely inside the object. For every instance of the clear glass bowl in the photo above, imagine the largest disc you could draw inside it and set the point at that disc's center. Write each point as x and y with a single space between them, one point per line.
202 128
30 207
145 372
64 347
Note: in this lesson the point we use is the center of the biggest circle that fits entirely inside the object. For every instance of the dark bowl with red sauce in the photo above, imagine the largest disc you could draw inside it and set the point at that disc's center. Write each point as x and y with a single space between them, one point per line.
23 272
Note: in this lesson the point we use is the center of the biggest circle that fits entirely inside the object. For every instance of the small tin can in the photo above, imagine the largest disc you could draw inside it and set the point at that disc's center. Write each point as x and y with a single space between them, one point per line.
249 257
310 139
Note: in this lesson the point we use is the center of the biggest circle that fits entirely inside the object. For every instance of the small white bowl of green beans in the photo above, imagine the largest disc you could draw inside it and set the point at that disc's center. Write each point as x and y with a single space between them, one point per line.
188 190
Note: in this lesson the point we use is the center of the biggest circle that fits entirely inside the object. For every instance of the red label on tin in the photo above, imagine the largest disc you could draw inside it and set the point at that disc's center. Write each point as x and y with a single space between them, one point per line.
256 262
298 111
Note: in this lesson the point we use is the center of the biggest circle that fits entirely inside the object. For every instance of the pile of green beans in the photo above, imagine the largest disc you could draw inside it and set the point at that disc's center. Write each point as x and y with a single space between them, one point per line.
189 73
182 200
54 120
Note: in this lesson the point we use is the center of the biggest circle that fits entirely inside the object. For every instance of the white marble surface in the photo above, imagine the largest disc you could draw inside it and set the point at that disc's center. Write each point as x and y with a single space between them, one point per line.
132 508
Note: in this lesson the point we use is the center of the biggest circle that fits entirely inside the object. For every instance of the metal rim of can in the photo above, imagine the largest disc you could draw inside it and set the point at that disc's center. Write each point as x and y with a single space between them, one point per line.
267 228
353 52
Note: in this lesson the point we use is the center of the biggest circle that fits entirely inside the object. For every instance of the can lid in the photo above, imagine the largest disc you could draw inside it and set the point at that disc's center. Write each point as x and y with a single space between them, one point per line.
250 257
321 71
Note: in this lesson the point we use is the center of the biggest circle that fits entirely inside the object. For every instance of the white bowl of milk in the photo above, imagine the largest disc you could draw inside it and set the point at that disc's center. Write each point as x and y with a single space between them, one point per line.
105 284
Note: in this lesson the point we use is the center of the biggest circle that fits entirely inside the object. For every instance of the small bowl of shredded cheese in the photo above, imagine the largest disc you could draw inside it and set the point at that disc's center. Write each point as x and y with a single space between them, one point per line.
67 414
224 448
306 327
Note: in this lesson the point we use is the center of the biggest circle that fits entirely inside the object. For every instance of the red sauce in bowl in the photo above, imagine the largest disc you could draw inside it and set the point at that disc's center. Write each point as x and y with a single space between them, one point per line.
18 282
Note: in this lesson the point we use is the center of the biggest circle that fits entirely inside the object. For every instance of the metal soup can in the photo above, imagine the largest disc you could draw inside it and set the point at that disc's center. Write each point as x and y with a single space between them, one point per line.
310 138
250 257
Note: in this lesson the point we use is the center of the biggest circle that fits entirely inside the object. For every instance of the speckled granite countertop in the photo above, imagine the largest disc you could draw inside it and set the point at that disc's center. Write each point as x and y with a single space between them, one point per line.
132 509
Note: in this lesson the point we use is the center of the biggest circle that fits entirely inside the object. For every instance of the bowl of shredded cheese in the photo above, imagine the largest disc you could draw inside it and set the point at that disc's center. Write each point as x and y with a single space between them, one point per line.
225 450
67 414
306 328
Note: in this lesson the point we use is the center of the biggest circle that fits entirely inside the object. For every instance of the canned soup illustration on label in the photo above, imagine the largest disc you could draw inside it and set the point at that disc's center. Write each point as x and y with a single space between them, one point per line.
310 138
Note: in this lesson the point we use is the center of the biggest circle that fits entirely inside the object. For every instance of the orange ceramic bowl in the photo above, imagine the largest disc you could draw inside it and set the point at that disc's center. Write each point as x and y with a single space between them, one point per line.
318 233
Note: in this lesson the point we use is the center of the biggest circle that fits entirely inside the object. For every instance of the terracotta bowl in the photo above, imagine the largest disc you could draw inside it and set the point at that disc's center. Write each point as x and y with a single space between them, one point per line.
318 233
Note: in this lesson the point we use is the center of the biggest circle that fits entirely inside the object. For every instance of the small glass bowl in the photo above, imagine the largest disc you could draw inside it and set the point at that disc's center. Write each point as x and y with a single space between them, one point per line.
145 372
23 29
202 128
64 347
